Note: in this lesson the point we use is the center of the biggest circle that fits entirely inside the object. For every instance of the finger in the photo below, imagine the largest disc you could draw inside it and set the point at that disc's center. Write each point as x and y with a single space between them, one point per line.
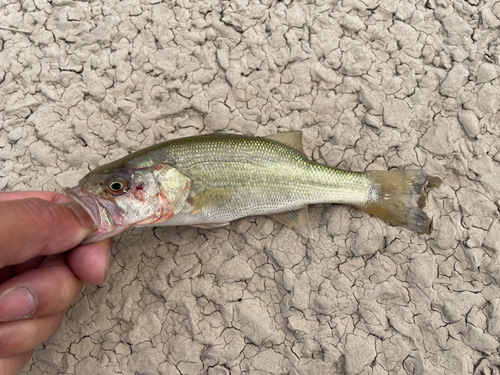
12 365
40 292
91 262
50 196
30 264
32 226
21 336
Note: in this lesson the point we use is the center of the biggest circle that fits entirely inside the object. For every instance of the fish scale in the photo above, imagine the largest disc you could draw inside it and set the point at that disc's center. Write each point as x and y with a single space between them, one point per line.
268 177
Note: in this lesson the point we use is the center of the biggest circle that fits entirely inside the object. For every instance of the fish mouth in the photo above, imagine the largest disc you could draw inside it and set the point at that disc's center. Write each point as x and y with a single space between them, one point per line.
87 202
104 213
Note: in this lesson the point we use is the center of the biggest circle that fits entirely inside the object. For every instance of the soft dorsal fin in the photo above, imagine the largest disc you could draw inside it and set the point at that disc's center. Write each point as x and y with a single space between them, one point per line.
291 139
297 220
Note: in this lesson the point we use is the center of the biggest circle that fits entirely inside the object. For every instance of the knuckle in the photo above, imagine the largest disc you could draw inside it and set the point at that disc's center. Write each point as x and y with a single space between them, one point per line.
42 212
45 218
10 339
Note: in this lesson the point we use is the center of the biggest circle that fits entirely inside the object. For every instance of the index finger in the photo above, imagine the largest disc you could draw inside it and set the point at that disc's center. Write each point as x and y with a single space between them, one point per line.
34 226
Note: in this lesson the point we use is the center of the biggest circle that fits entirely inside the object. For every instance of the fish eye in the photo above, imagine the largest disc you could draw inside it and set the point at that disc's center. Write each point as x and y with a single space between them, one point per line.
117 184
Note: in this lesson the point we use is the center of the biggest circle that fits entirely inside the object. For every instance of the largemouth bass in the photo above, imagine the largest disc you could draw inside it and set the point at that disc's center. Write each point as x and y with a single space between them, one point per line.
211 180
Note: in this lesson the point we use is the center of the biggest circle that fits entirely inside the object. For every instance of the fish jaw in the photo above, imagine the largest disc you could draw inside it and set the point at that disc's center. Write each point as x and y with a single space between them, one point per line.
105 214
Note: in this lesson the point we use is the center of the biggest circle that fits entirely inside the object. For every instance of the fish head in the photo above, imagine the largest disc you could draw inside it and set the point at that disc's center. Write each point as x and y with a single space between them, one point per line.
117 199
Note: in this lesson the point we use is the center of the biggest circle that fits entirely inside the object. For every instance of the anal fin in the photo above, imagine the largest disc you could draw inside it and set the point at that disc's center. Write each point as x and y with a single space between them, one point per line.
297 220
209 225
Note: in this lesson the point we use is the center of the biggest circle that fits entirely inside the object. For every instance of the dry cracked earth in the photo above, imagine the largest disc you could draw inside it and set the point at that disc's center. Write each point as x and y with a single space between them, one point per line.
372 84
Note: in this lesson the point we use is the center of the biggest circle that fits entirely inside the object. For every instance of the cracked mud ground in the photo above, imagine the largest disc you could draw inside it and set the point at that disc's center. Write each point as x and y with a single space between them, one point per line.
372 84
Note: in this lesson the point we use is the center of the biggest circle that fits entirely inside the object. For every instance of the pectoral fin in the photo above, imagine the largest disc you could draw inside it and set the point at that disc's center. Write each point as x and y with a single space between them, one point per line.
210 198
291 139
297 220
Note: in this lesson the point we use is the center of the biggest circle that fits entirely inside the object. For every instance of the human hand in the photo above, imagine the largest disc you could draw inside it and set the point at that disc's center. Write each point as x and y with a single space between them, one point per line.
39 277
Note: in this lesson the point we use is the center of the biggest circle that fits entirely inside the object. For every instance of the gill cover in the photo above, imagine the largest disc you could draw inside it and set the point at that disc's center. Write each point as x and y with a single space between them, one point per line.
174 187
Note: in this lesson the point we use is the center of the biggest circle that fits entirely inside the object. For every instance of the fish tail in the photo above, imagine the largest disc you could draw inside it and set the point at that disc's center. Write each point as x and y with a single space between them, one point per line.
397 197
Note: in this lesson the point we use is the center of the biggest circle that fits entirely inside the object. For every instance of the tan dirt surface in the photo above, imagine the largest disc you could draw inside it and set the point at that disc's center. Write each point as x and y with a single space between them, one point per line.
372 84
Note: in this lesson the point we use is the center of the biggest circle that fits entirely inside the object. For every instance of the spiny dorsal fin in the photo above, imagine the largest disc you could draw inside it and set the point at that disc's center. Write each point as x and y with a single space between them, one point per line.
291 139
297 220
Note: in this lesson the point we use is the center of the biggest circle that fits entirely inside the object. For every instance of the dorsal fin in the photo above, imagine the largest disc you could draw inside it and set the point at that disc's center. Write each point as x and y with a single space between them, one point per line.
291 139
297 220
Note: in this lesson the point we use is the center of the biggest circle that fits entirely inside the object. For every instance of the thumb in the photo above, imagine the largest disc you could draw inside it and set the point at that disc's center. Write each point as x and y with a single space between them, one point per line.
33 226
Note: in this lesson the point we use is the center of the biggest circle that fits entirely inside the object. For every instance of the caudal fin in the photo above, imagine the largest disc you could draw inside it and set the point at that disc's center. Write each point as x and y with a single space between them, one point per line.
398 199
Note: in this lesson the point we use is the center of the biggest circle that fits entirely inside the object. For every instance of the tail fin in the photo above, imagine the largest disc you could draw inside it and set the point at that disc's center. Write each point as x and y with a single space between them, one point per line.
398 199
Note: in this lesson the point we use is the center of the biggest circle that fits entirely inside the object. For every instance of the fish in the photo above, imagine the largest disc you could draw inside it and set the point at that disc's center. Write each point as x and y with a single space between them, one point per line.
210 180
